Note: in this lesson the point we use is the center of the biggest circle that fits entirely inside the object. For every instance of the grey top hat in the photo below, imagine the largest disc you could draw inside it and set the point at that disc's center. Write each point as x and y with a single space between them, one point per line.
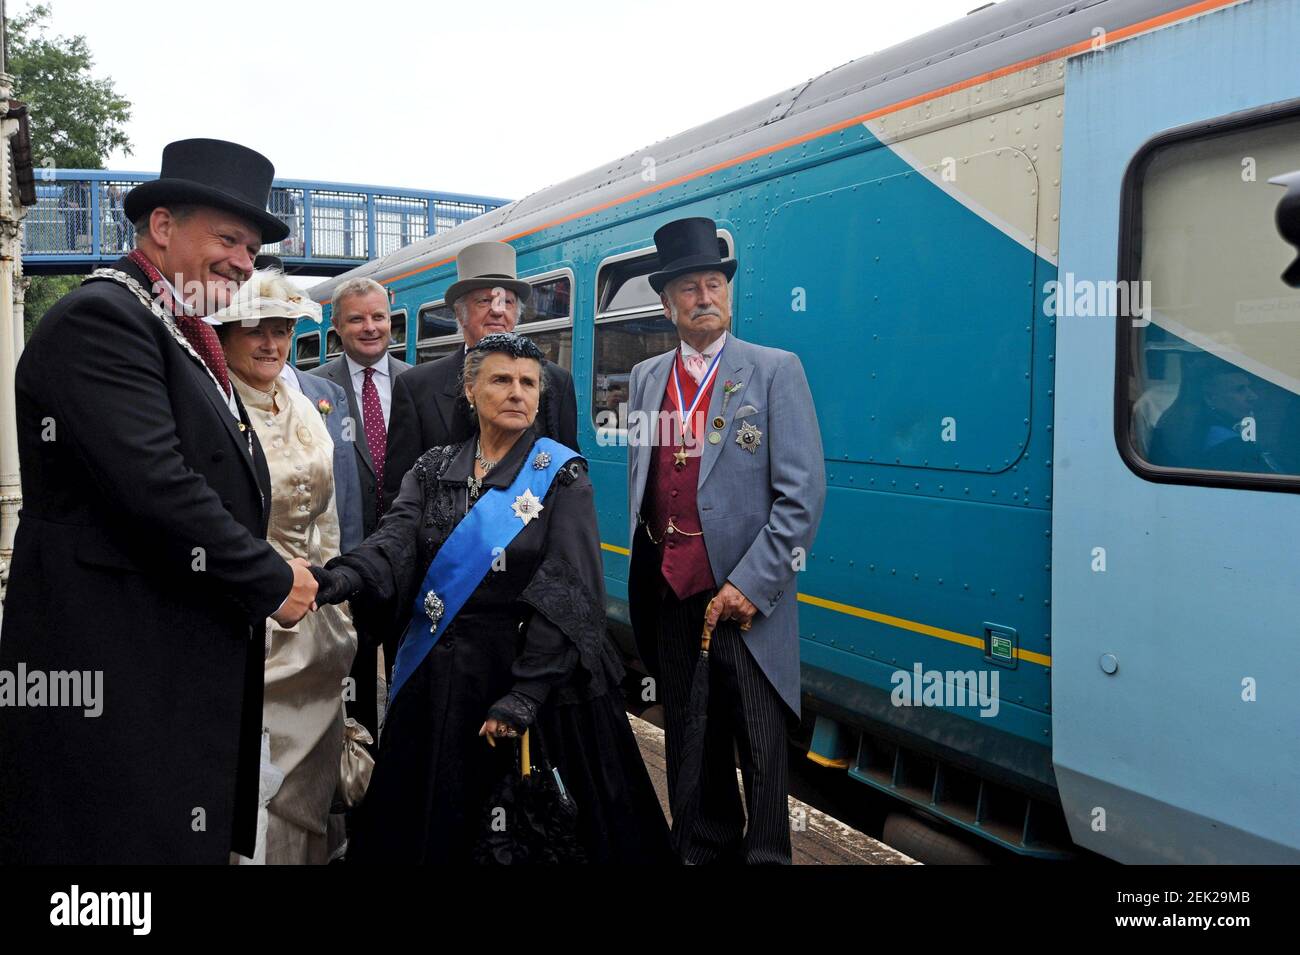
487 265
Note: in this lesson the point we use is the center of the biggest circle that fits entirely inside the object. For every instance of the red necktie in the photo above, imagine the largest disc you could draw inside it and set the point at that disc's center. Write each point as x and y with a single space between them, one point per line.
372 419
201 336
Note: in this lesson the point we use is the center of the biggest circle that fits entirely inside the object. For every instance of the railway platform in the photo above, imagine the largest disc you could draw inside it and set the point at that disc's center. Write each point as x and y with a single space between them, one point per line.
816 838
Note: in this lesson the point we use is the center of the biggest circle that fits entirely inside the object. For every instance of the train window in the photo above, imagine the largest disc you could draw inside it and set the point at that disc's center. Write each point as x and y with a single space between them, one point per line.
556 345
1208 362
620 344
548 317
548 314
397 333
628 287
550 300
333 345
436 321
624 286
630 327
307 351
431 351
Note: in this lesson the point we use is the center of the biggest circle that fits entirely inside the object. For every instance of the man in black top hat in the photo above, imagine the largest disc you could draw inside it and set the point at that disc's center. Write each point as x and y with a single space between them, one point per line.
133 639
719 518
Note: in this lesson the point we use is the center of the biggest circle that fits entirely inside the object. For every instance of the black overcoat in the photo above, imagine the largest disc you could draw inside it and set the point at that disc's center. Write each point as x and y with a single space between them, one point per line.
140 554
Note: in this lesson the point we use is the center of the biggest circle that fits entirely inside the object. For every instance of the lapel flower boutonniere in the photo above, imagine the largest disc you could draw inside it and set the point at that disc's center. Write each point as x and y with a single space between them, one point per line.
729 388
324 407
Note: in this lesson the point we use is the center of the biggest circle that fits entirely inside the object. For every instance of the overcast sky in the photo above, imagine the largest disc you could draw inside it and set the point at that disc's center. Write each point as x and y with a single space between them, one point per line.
490 97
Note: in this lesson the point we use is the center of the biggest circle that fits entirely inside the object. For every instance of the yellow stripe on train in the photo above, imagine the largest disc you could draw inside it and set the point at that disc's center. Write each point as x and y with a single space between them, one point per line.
902 623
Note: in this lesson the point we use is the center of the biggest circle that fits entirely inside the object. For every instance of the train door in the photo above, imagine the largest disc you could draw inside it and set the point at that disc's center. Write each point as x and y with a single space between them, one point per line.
1176 525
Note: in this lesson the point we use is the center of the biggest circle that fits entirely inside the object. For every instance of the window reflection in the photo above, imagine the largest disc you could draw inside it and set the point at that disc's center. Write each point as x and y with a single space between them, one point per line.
619 346
307 350
1214 376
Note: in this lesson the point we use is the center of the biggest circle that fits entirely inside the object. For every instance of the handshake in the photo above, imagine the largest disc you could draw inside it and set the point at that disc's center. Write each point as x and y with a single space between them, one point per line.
313 587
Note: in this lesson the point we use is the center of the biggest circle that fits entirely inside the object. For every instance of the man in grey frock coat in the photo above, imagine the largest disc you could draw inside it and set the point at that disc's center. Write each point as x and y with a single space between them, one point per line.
723 513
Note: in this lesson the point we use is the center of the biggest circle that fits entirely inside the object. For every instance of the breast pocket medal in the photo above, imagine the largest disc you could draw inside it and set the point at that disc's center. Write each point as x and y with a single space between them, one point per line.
527 506
749 437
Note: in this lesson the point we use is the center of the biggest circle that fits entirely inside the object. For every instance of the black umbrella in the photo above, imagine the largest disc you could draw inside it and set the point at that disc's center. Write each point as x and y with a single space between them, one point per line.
686 798
540 821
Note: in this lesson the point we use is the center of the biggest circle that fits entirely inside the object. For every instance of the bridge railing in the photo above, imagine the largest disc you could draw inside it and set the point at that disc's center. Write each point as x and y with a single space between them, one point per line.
79 222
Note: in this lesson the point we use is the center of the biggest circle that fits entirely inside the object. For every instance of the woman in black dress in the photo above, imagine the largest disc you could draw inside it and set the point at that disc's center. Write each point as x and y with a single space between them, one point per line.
528 649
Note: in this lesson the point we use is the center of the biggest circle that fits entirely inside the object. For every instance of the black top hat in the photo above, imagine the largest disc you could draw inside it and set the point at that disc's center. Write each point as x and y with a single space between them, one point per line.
269 262
211 172
685 246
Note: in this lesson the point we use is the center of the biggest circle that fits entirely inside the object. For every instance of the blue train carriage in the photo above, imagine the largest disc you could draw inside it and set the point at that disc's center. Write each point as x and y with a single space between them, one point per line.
1017 617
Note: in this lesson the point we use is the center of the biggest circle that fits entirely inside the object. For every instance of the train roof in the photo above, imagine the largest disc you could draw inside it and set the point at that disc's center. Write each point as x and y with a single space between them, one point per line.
986 39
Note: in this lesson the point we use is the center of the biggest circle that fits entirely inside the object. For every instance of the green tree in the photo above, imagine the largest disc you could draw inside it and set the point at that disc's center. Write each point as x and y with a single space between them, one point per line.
77 119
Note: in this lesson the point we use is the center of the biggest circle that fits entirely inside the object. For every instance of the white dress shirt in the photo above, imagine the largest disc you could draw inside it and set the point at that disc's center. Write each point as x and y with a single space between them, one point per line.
290 377
383 382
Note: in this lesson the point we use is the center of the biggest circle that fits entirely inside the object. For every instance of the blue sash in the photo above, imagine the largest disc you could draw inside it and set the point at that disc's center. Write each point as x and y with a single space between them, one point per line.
467 555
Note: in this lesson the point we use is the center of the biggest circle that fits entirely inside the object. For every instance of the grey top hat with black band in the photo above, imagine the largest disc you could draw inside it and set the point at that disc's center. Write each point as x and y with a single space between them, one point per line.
686 246
215 173
487 265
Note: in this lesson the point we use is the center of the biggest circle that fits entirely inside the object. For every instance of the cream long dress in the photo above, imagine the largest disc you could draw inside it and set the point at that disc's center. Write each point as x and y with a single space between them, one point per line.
305 664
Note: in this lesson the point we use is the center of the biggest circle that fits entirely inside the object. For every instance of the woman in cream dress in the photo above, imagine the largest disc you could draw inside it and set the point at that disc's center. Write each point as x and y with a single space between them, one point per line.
306 664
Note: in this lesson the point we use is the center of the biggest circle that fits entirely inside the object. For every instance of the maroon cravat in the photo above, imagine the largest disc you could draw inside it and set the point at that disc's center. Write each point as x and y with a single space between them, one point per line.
372 419
197 332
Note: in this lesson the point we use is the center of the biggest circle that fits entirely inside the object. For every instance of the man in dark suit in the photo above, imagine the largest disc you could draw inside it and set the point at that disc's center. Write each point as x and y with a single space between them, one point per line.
140 564
368 374
429 406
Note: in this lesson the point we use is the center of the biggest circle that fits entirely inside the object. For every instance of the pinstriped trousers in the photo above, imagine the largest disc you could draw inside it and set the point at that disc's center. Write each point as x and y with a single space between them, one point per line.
745 716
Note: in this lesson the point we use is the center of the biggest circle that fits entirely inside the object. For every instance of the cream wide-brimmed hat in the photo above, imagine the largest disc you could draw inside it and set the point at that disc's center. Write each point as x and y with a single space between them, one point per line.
268 294
487 265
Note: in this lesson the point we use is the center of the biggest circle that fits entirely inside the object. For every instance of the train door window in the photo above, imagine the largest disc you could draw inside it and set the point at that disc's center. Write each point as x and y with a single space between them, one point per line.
1208 359
333 345
630 327
397 334
307 351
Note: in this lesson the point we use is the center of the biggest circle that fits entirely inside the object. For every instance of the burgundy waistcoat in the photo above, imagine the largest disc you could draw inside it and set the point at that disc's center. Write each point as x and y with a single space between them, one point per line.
671 493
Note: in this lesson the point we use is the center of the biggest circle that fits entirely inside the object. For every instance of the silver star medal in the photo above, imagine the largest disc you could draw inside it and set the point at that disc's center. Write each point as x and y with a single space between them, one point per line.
749 437
434 607
527 506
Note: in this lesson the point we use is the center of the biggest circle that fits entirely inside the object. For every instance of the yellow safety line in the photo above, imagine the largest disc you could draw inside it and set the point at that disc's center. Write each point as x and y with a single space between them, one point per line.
966 640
